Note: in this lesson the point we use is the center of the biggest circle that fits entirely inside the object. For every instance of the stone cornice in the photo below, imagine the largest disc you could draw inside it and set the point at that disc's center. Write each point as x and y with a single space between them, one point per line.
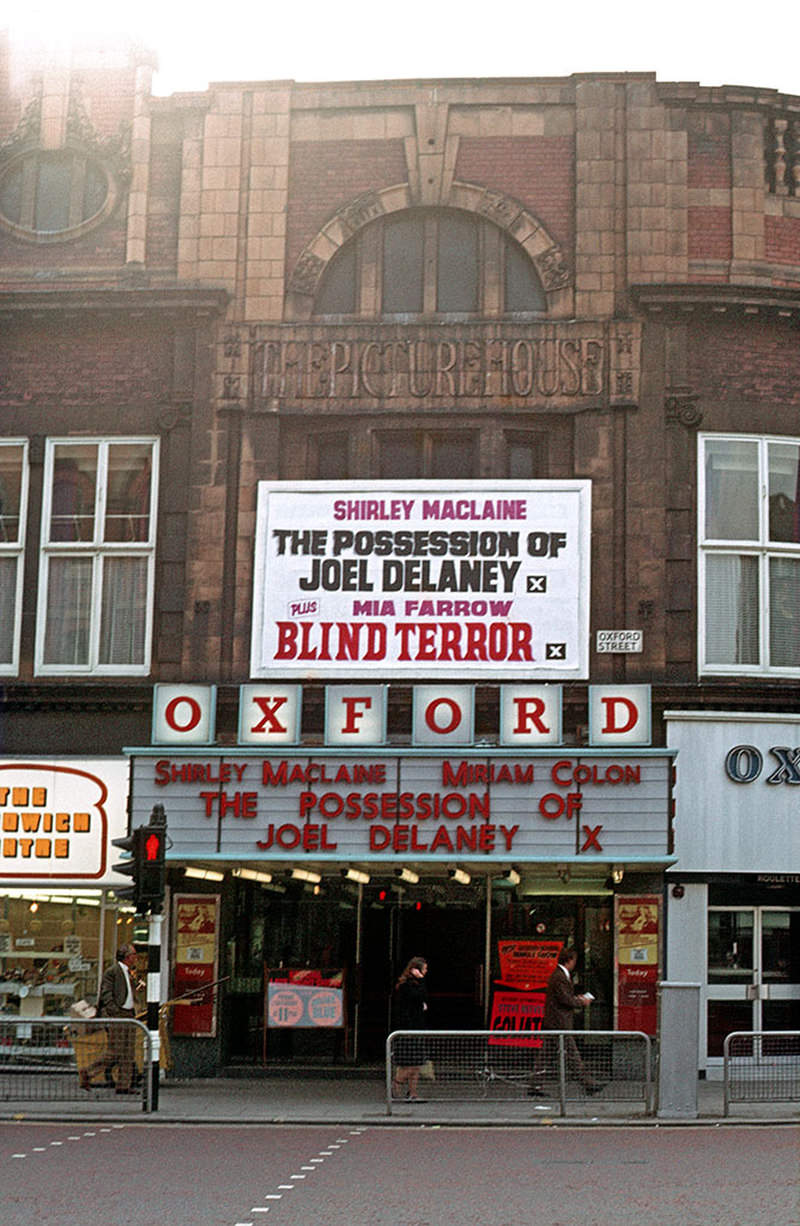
742 299
28 299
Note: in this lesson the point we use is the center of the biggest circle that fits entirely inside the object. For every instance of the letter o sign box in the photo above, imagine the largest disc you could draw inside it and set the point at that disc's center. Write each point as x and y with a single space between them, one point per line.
183 714
443 715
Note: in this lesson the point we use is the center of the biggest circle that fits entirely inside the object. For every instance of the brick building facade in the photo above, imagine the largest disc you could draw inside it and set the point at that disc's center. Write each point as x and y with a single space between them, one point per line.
588 279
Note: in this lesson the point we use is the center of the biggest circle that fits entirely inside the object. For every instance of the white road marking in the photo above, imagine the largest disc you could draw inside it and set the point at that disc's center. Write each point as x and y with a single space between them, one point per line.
19 1155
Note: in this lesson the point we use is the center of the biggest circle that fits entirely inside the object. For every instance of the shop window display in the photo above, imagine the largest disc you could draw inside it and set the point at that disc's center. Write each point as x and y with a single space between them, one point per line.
50 949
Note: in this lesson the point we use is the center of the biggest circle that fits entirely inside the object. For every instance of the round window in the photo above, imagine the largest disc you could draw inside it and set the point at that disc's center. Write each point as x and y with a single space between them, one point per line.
47 197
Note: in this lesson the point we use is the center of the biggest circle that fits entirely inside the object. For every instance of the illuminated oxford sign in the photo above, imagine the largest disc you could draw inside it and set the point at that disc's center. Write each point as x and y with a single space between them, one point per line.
443 715
474 580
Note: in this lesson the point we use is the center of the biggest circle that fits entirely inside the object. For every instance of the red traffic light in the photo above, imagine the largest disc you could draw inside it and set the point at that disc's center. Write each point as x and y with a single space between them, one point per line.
153 845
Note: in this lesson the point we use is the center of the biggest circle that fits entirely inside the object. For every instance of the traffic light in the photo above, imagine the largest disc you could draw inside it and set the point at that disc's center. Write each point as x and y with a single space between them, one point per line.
146 863
151 857
129 867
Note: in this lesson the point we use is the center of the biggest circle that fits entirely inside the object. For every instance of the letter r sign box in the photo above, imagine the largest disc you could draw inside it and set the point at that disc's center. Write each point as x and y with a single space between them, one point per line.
619 715
184 714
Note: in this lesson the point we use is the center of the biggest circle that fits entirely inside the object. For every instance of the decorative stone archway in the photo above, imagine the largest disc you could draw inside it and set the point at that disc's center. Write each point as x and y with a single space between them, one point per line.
506 213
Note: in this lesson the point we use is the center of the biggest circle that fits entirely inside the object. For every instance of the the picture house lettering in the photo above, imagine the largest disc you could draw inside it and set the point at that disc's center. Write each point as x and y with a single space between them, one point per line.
562 368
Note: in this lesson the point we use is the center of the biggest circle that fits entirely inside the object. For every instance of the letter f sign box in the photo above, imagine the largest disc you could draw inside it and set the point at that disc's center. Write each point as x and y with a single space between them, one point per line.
619 715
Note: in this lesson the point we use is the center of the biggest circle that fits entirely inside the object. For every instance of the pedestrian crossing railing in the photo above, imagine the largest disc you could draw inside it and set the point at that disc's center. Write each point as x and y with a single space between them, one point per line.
761 1066
62 1059
556 1070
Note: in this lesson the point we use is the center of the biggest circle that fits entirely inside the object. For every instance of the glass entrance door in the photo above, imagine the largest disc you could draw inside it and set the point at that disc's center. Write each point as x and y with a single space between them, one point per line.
753 971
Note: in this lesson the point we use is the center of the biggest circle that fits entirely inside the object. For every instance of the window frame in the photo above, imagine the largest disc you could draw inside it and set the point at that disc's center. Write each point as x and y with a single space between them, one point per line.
763 549
16 549
30 163
97 550
427 439
491 246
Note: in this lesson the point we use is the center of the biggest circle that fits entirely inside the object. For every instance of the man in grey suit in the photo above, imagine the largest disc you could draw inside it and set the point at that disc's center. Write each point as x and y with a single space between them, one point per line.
116 999
560 1006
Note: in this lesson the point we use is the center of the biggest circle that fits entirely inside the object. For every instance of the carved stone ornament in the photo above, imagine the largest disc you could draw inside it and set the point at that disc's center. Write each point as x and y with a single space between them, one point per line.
358 212
501 209
307 273
680 408
115 149
26 131
553 268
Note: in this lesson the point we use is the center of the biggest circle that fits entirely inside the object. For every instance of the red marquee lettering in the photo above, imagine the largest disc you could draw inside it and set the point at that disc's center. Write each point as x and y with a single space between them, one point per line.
592 839
611 705
356 709
529 712
268 708
171 713
431 712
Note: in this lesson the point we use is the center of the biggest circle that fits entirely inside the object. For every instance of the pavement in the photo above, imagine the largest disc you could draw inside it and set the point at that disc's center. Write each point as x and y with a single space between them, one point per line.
308 1099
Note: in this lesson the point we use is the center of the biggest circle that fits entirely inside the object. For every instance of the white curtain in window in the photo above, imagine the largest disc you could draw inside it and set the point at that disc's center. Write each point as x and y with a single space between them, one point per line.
784 607
732 628
8 592
124 609
69 599
731 490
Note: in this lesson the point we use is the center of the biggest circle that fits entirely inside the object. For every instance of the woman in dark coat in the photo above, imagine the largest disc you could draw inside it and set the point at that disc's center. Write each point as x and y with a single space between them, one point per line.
410 1007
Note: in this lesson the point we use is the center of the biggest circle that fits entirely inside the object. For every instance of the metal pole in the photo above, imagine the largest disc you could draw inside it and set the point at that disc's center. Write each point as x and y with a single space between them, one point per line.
154 1002
358 985
101 956
487 952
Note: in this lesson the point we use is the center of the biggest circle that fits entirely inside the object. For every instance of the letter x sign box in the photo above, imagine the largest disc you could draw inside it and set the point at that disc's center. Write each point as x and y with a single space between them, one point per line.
619 715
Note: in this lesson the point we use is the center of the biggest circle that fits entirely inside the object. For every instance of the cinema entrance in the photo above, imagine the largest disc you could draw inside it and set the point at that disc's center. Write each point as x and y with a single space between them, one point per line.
360 934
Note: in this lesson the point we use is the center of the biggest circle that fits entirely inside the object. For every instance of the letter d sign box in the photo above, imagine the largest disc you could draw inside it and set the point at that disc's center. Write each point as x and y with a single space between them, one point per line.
619 715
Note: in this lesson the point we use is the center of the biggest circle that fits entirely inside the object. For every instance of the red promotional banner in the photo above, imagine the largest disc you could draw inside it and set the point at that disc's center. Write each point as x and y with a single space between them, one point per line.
310 976
637 998
527 964
517 1011
638 970
196 940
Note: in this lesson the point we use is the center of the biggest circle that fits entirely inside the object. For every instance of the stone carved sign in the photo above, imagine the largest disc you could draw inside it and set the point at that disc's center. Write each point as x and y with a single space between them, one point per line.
564 367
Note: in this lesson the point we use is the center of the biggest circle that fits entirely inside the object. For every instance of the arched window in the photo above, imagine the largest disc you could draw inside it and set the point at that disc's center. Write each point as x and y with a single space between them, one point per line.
430 262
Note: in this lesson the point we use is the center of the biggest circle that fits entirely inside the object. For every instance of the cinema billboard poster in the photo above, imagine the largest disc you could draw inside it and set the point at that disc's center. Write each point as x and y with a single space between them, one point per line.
414 579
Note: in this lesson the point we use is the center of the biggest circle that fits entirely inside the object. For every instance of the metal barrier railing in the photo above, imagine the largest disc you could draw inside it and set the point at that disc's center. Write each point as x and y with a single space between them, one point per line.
761 1066
562 1066
60 1059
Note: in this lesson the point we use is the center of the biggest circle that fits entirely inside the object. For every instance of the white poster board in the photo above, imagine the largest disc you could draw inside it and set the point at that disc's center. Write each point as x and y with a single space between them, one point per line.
479 580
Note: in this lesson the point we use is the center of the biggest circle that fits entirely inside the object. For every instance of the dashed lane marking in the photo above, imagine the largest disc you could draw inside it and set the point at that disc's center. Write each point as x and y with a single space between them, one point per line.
313 1165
